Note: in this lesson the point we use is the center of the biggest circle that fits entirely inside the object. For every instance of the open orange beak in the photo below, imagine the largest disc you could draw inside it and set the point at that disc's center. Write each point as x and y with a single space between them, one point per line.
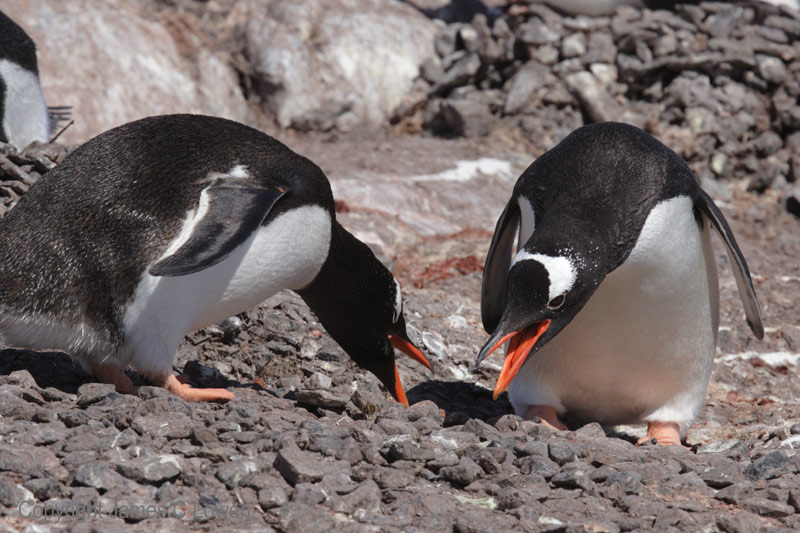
521 344
410 350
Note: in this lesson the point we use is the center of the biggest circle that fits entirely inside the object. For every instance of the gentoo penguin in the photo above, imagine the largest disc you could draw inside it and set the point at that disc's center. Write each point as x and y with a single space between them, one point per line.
24 116
171 223
611 301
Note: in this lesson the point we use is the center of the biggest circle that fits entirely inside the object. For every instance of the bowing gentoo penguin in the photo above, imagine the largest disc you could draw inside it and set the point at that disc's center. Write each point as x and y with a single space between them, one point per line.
171 223
611 301
24 116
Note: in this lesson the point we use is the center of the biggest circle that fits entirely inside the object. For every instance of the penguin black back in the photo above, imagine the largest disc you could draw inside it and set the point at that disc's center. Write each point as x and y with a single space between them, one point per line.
126 187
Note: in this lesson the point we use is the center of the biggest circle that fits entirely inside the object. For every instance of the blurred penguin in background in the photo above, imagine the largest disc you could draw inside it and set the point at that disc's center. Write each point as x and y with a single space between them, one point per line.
24 116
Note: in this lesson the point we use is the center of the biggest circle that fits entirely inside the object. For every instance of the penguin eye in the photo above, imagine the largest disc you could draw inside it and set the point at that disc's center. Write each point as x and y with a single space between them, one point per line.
556 302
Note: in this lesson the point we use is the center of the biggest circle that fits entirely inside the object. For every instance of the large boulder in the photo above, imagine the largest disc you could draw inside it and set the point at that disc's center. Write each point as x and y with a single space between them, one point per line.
324 65
113 63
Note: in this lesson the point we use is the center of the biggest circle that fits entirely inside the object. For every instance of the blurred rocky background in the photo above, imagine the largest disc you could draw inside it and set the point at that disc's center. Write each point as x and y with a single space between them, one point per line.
422 114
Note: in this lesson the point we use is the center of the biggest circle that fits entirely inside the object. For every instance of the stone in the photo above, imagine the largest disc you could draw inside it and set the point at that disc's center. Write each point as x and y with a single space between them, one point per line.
573 45
154 469
44 488
523 86
90 393
297 466
33 461
464 473
100 476
597 103
309 62
736 493
431 70
768 508
600 48
771 69
406 449
535 32
722 474
766 467
271 497
366 497
460 73
467 118
12 493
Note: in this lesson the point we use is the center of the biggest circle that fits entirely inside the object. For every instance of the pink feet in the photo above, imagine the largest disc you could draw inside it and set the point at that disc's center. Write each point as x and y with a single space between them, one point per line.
545 415
185 391
664 433
112 373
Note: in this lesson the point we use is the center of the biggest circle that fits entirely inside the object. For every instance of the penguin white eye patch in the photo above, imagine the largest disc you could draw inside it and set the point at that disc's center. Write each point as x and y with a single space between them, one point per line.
560 270
398 303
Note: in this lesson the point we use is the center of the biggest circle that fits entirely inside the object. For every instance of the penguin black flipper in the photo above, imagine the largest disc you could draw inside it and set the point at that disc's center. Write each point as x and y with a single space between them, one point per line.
741 273
232 215
495 270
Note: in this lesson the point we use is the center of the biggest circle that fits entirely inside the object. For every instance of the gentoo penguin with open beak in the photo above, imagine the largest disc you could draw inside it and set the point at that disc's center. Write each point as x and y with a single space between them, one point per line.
24 116
610 303
172 223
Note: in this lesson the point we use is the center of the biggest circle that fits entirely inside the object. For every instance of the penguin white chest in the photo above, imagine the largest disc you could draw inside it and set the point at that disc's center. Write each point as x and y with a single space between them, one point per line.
25 114
642 347
285 254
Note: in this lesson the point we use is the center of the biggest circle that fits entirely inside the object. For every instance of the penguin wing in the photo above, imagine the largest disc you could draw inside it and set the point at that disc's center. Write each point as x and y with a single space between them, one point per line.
495 270
233 214
744 283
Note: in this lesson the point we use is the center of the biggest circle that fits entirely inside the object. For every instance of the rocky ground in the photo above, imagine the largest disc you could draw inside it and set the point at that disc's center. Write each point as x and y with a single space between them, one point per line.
312 444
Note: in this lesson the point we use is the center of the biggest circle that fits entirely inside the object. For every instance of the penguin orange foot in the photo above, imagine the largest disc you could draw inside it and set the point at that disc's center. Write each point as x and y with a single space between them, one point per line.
663 433
545 415
172 223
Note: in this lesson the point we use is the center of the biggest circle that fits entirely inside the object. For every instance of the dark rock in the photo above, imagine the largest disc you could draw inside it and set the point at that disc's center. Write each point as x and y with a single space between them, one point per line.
12 493
464 473
562 452
722 474
297 466
322 398
101 477
736 493
90 393
392 478
366 497
766 467
537 464
628 482
271 497
574 475
768 508
44 488
406 449
33 461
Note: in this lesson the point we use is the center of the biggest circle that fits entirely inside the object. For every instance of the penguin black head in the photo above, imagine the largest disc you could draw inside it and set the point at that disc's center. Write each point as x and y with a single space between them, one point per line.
360 304
543 294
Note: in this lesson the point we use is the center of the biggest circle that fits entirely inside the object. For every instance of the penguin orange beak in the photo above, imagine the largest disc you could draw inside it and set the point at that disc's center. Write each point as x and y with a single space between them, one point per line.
410 350
522 342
